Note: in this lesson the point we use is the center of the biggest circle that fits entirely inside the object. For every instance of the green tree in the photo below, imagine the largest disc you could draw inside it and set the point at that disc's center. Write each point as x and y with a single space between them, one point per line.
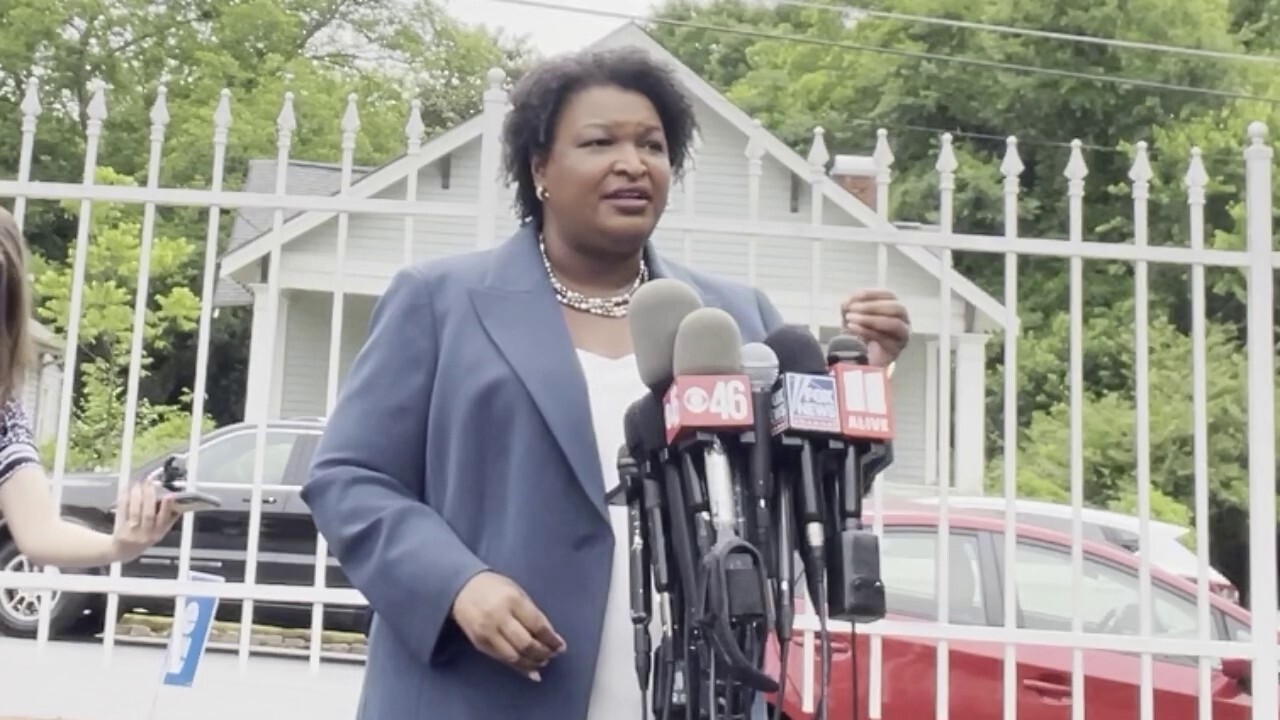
386 51
793 85
106 326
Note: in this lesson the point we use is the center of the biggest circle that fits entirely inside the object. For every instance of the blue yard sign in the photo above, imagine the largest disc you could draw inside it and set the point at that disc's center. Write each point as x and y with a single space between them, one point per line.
188 643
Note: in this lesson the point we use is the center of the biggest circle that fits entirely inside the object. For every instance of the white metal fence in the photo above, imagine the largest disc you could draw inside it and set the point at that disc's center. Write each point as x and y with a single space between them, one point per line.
1258 262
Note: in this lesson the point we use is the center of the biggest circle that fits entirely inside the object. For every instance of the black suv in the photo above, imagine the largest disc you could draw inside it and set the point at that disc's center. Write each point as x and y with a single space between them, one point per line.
286 548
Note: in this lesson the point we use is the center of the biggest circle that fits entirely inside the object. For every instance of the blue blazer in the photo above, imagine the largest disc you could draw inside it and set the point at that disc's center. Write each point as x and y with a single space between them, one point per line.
462 441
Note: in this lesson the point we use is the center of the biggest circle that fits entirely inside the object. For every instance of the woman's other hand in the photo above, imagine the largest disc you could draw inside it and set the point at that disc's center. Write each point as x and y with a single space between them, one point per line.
881 321
503 623
143 517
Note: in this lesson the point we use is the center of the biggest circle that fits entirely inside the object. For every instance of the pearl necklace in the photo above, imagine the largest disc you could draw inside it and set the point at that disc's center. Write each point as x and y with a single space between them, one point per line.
611 307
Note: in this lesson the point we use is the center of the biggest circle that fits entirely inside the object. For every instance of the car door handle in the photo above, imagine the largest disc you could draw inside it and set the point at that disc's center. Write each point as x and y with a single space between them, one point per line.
1048 688
265 500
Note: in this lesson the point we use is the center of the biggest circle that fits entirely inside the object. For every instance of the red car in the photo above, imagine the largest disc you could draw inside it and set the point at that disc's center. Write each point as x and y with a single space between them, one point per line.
1110 606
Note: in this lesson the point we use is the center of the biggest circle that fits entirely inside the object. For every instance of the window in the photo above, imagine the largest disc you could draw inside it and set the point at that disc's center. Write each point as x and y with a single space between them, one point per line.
229 460
908 565
1238 631
1109 597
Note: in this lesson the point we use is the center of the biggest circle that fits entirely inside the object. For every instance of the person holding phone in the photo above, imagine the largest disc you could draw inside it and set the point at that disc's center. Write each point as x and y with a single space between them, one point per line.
143 516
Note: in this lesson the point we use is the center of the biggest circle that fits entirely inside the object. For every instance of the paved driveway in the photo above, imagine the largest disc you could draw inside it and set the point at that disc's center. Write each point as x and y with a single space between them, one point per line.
72 683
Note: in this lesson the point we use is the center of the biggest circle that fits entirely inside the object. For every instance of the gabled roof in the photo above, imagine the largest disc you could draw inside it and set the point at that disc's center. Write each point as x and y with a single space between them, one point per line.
372 183
628 35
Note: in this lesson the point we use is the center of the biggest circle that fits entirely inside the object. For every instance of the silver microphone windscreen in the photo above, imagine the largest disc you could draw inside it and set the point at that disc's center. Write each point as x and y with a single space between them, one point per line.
708 342
654 316
761 365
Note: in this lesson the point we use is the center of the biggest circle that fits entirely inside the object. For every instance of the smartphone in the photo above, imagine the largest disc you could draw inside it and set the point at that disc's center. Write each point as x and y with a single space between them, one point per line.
192 500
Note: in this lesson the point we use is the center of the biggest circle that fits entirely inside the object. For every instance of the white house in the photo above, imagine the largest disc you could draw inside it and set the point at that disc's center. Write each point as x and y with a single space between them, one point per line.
749 208
43 382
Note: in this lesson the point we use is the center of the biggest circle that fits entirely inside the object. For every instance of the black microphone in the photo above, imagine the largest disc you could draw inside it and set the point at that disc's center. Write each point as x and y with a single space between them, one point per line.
855 588
805 420
638 554
761 366
653 318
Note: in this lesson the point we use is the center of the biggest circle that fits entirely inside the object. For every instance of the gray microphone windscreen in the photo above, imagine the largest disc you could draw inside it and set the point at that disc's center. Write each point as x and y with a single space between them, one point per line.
654 316
847 347
761 365
708 342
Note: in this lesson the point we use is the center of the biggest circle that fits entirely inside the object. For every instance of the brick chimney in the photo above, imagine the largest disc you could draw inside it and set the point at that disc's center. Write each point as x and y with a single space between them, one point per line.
857 174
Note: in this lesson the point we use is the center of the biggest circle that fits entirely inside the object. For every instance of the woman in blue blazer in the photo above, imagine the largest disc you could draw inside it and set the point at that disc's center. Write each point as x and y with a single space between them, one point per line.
462 476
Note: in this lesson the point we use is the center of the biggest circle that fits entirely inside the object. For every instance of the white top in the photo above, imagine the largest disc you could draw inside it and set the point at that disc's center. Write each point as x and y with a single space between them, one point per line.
612 385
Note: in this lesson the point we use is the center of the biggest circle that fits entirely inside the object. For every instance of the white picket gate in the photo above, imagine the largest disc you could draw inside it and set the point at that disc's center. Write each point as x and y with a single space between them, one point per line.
1258 261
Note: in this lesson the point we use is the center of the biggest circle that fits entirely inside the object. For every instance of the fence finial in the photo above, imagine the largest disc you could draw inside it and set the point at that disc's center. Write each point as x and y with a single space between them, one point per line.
31 98
286 122
947 163
1076 170
222 113
97 110
1140 173
1257 132
818 155
160 109
414 129
351 118
1011 167
495 77
1196 178
883 154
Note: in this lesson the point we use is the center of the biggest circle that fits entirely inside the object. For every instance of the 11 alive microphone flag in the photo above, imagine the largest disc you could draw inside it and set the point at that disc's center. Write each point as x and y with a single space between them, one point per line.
866 408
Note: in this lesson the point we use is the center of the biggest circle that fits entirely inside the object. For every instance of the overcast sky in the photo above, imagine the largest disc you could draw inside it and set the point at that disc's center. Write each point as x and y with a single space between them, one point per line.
550 31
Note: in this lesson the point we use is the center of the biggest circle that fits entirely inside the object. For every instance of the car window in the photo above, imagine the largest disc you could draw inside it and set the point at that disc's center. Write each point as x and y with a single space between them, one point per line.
1109 597
229 459
1238 631
908 566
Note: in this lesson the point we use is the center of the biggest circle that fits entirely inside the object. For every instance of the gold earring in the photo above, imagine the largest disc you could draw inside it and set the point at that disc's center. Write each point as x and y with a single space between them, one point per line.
542 193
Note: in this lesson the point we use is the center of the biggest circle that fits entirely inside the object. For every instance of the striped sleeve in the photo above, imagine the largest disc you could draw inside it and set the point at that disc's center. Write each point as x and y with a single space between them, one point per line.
17 444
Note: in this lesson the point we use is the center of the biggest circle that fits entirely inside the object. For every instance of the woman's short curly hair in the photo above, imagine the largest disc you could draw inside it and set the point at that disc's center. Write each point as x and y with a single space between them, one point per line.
540 96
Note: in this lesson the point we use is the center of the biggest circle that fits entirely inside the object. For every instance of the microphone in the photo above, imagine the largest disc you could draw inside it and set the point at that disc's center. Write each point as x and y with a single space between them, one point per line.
708 396
855 588
657 308
707 408
803 415
653 318
643 428
761 366
629 474
805 420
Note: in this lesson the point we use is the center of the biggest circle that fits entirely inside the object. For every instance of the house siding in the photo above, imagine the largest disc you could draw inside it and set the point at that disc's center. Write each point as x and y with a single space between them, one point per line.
306 374
784 267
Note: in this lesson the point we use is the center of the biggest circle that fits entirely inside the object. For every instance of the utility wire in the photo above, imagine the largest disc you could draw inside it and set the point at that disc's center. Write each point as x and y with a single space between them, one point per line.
855 12
975 62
